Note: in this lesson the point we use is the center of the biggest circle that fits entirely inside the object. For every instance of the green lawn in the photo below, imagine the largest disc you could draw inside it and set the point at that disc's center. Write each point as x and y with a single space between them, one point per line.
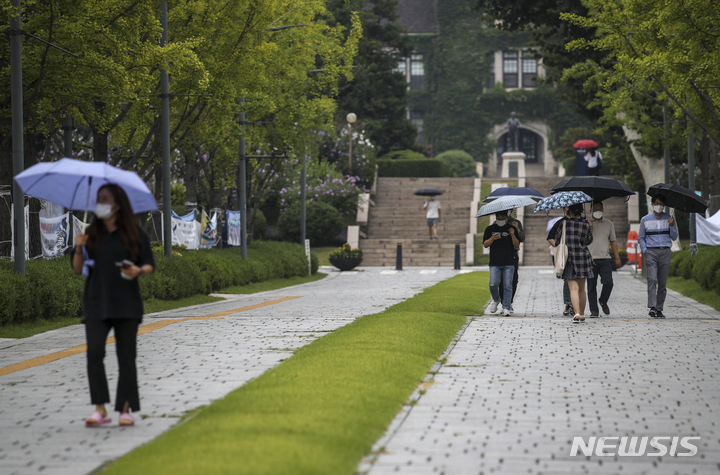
320 411
690 288
272 284
322 254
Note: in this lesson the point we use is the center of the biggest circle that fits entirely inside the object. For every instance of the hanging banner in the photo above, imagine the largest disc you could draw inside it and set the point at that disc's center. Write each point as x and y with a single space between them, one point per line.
54 235
27 232
208 231
78 226
184 231
233 219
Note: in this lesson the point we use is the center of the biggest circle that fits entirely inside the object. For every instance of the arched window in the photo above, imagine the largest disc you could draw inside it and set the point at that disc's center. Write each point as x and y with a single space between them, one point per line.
530 145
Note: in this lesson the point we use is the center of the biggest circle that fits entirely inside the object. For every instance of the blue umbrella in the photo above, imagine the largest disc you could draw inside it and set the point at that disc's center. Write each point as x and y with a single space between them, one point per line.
561 200
513 191
74 184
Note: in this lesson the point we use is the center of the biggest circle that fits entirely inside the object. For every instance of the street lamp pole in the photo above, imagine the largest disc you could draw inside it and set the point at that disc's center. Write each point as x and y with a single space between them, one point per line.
17 137
351 118
242 181
165 123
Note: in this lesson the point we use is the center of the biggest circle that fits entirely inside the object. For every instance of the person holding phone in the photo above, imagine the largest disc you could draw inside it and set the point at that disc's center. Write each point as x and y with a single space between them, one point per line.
501 238
112 255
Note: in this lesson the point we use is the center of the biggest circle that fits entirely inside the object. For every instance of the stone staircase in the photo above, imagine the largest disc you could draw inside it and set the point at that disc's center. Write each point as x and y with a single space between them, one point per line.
536 250
398 217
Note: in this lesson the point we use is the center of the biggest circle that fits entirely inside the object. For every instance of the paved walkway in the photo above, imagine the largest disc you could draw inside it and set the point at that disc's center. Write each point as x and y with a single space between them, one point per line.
182 364
511 397
515 391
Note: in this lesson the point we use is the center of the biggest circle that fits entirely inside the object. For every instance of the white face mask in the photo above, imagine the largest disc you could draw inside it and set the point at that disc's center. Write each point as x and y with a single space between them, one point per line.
500 222
658 208
103 211
597 214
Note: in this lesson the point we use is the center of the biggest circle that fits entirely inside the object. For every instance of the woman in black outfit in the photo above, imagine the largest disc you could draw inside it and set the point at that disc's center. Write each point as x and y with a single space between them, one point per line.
118 252
580 265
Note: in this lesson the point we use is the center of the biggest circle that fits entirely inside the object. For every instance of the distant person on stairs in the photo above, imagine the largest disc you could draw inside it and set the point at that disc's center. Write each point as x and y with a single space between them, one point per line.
501 238
434 215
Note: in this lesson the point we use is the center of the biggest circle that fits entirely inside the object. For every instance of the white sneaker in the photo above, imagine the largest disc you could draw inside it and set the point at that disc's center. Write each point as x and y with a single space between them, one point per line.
492 308
511 310
505 312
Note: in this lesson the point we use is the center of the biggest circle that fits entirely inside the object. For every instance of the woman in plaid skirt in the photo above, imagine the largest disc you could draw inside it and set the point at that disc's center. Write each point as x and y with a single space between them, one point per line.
579 265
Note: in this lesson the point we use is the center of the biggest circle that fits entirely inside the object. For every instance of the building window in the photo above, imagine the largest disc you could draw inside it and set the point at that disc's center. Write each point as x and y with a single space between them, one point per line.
529 145
510 69
491 76
416 117
401 68
529 71
417 72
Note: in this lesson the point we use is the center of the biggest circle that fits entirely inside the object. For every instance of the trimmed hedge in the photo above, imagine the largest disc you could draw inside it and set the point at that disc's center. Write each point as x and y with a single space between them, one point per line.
426 168
704 268
50 288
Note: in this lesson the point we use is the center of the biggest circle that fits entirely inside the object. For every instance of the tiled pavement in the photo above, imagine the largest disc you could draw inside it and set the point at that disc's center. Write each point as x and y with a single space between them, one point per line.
180 366
510 398
516 390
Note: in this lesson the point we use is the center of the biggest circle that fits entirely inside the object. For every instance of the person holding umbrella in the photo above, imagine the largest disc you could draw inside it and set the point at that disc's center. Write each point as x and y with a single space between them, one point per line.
501 238
657 232
603 232
112 255
594 162
433 216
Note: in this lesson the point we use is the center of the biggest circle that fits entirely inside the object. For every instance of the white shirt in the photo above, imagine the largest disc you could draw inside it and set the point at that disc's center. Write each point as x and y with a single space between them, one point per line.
592 162
432 209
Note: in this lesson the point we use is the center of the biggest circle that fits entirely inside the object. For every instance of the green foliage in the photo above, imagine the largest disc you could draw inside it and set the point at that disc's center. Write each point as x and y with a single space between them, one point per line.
177 194
322 223
259 226
342 389
51 289
428 167
460 161
345 251
676 260
686 268
403 155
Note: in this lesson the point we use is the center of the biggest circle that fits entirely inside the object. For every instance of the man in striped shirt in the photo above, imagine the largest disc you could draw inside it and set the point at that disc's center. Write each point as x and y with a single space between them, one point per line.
657 232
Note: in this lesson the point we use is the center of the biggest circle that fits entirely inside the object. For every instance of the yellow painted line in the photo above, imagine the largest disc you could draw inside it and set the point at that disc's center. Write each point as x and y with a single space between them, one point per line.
31 363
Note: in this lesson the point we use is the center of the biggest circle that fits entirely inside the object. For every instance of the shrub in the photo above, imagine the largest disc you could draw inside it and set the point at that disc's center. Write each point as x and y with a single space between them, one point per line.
460 161
686 268
259 226
677 259
705 264
50 288
322 223
403 155
426 168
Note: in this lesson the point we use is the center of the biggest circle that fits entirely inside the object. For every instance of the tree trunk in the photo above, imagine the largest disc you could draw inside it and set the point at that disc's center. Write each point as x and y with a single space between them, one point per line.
714 201
157 234
705 167
100 146
34 235
653 170
6 174
190 183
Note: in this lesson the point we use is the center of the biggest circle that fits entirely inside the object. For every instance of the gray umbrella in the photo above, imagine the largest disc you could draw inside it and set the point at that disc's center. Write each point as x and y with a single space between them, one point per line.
505 203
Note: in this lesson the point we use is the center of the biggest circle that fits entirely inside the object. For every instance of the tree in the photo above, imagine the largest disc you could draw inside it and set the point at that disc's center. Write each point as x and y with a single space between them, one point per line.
376 93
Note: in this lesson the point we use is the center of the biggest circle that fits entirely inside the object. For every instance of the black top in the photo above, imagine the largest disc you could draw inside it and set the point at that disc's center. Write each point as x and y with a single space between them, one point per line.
553 230
502 251
107 295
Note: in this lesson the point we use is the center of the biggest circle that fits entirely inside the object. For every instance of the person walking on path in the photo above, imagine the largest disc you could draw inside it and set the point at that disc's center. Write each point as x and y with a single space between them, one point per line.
657 232
603 232
579 266
594 162
434 215
116 252
568 310
520 232
501 238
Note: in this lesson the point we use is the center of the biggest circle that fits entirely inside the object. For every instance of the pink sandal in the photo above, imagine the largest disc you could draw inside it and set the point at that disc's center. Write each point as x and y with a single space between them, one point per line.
126 419
97 419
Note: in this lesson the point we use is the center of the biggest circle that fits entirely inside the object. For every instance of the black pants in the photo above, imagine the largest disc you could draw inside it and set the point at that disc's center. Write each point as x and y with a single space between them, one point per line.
593 171
603 269
514 284
96 332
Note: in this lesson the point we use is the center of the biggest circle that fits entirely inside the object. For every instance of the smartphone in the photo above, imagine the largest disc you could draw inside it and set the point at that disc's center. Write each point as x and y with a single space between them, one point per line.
125 264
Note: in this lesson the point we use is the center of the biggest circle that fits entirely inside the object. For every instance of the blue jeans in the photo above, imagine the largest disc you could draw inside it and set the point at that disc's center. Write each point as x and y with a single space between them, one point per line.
504 274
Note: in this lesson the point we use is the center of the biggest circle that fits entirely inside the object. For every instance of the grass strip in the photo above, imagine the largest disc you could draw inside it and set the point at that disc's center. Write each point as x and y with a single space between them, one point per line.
26 329
272 284
320 411
691 288
323 254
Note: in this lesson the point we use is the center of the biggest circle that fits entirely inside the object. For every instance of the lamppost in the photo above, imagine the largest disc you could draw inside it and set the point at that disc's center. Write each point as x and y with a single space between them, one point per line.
351 118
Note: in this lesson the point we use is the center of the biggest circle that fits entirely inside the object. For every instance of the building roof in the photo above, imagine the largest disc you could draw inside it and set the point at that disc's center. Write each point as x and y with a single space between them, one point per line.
418 16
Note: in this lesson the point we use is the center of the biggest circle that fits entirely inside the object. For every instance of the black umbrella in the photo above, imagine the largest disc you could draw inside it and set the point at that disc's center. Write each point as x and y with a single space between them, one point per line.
428 192
679 197
598 187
